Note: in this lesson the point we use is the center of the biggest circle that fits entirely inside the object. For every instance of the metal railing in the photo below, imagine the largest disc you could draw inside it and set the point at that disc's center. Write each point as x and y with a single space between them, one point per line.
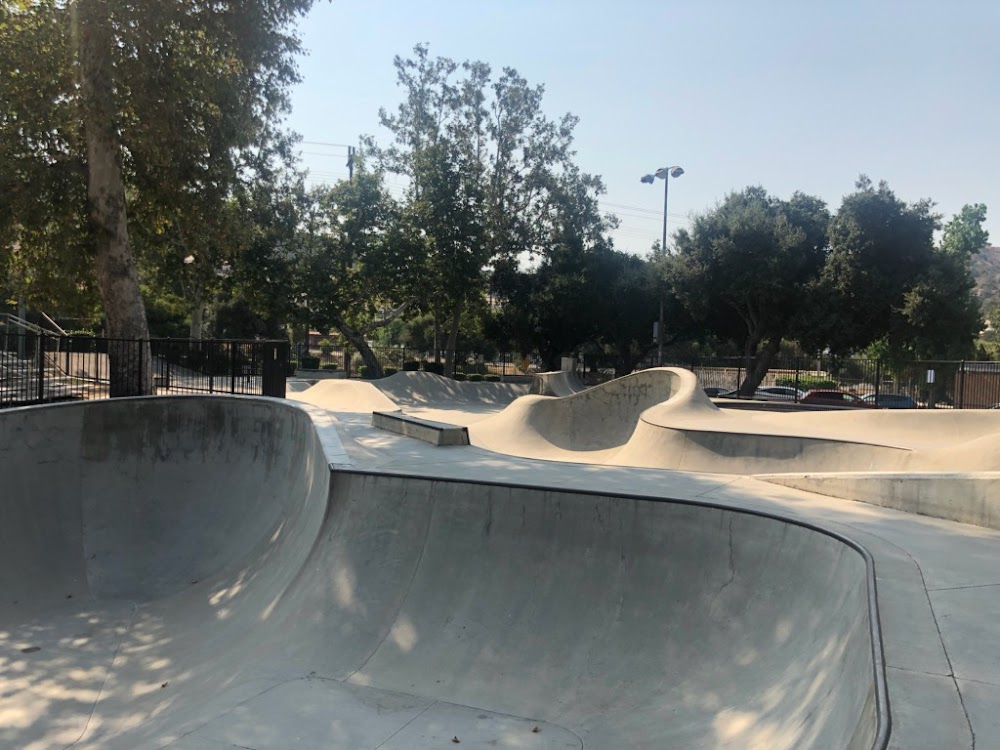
347 362
36 367
955 384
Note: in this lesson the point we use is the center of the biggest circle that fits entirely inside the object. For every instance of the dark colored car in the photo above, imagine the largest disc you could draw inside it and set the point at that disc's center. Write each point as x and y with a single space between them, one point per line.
835 398
714 391
890 401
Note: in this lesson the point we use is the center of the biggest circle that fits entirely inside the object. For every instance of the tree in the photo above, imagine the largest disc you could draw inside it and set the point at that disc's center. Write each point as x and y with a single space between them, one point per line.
174 99
360 261
482 161
941 313
744 267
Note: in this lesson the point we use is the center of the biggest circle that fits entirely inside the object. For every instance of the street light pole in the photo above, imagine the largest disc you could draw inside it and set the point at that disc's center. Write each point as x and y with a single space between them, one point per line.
664 173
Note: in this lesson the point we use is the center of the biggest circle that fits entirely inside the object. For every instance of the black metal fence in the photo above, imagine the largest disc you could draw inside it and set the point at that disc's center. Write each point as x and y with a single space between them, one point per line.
346 361
937 384
38 368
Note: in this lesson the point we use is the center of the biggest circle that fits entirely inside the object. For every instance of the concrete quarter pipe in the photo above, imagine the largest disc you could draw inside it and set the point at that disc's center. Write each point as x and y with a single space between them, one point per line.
184 573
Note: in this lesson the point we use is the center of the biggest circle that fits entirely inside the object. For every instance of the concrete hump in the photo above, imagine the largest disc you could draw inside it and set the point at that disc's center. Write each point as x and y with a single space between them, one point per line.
419 388
597 420
360 396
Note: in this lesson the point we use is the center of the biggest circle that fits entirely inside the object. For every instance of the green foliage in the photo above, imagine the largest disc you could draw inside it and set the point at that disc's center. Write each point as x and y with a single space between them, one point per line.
167 315
293 365
411 365
387 371
806 382
329 366
475 377
308 362
460 376
365 372
492 378
435 367
325 346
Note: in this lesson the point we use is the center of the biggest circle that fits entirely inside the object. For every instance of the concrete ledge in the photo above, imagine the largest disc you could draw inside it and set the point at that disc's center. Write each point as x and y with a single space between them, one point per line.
966 497
435 433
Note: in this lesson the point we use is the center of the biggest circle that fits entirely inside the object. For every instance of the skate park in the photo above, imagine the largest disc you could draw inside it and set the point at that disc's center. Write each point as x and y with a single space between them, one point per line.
216 571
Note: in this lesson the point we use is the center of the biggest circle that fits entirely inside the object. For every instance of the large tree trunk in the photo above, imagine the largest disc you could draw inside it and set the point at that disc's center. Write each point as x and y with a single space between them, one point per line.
761 364
449 354
197 319
357 340
131 371
437 339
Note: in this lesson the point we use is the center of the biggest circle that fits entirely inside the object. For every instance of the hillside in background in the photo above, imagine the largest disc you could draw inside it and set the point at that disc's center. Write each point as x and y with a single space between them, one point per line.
986 269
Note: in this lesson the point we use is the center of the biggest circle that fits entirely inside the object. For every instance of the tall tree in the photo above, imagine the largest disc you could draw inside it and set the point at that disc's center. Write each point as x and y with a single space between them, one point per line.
481 159
744 268
879 246
174 98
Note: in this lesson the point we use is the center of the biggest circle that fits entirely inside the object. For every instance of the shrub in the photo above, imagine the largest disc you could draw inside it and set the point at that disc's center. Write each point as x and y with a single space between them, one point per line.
365 373
492 378
325 346
806 382
436 367
308 362
475 378
293 365
460 376
387 371
330 366
411 366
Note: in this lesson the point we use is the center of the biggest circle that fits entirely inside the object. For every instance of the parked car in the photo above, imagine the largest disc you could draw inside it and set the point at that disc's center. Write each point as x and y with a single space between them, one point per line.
778 393
890 401
835 398
712 391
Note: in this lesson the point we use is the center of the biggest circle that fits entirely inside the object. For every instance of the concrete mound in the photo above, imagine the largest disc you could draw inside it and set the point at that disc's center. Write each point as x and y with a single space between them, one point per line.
360 396
186 580
419 388
592 425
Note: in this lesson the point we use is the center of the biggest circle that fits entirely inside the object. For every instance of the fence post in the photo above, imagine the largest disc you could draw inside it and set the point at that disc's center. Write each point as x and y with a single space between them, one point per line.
40 346
878 379
208 363
798 367
232 366
961 388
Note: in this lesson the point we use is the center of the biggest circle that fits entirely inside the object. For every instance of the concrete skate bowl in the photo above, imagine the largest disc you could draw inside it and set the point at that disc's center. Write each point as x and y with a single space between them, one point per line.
592 425
188 579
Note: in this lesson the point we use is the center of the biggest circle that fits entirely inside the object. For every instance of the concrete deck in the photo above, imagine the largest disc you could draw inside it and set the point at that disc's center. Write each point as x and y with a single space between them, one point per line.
229 590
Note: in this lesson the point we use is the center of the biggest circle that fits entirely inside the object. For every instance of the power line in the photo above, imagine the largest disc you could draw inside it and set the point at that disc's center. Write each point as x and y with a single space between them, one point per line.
322 143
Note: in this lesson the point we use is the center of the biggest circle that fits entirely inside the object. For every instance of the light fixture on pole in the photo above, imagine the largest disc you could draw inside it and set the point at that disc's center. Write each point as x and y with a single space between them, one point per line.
663 173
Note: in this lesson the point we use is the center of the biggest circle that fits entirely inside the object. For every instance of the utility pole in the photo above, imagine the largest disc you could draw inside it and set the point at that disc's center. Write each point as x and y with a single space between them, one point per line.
350 164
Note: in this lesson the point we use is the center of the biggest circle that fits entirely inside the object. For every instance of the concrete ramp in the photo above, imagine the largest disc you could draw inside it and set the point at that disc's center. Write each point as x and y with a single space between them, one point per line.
408 390
588 426
358 396
557 383
178 573
419 389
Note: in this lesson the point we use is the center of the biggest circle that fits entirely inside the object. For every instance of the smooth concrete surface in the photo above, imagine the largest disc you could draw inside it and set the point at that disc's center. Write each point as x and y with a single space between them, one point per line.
435 433
922 564
937 591
966 497
409 390
191 580
660 418
557 383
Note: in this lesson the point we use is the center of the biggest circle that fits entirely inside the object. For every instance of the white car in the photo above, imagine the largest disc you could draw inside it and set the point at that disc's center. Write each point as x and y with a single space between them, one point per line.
778 393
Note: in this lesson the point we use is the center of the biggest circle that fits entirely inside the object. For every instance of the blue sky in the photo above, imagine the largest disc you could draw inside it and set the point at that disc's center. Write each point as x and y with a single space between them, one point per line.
787 95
